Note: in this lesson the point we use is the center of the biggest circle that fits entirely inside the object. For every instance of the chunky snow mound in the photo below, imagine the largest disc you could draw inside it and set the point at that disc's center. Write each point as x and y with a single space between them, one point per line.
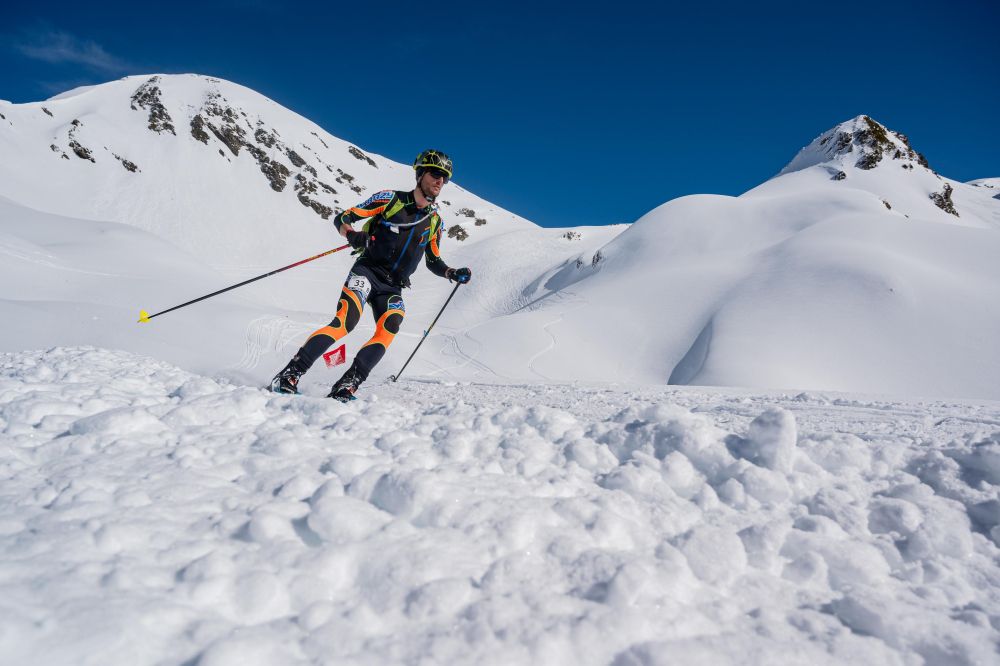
153 516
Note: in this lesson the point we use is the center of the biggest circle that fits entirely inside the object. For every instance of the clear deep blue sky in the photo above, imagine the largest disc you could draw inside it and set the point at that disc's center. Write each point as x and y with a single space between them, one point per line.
567 114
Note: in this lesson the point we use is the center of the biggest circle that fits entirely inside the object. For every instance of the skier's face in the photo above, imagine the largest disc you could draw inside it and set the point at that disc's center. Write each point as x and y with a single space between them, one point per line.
432 181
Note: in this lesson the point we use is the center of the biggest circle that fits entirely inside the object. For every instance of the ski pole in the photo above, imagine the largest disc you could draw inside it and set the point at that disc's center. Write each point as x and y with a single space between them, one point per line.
145 316
396 376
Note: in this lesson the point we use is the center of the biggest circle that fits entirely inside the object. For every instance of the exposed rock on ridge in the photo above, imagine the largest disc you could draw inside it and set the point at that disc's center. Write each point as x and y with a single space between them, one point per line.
147 97
861 142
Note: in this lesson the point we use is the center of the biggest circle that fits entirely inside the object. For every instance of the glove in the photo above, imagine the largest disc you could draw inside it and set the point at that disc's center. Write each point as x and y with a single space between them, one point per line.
357 239
460 275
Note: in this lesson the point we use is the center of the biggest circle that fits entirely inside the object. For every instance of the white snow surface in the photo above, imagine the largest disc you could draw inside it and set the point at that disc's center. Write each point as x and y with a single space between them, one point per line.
153 516
807 281
532 490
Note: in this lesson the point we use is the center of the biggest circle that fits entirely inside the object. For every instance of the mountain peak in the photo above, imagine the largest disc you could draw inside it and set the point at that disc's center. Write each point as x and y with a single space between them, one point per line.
158 142
860 142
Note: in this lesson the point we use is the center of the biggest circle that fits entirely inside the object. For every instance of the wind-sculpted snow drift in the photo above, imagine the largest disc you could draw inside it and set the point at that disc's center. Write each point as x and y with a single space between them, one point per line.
152 516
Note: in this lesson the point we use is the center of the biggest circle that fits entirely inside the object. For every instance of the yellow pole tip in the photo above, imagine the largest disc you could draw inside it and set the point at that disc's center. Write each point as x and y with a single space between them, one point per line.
143 317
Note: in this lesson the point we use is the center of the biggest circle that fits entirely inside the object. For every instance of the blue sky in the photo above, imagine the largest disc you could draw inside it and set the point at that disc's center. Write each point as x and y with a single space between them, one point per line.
579 114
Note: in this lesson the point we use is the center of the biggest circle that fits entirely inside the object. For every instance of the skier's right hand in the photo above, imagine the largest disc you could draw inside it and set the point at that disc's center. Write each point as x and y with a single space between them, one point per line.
357 239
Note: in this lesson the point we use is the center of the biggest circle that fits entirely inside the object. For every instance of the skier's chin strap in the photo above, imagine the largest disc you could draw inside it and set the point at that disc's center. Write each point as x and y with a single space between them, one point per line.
420 186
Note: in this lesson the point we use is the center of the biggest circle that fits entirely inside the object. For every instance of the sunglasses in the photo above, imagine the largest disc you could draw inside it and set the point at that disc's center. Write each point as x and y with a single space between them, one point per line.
438 173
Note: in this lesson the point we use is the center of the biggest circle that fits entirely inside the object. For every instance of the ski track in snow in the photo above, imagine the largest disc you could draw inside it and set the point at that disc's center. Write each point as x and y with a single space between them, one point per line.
570 297
552 345
269 334
153 516
466 358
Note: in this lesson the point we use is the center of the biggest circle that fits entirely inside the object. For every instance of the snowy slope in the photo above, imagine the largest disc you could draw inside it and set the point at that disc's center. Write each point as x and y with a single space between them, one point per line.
237 186
152 516
858 268
566 506
71 279
831 275
222 172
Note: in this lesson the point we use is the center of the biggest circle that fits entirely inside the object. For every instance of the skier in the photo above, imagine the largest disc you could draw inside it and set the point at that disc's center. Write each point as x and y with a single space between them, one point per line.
398 228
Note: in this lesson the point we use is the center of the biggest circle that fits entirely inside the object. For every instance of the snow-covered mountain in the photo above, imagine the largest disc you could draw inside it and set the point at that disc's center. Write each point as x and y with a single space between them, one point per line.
215 168
845 272
232 179
856 268
152 514
883 162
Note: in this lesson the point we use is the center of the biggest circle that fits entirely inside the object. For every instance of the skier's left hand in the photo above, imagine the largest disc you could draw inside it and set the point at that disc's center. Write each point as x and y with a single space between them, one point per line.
460 275
357 239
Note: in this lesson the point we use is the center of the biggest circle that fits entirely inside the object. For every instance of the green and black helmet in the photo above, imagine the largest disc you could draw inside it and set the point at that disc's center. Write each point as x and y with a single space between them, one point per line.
432 158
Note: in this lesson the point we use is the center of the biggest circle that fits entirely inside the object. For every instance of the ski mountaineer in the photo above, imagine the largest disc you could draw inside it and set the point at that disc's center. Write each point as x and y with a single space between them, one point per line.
398 228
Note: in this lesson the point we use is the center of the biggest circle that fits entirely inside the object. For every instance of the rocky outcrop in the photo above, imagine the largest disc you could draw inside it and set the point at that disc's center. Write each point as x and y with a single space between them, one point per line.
874 142
74 145
457 232
147 97
303 188
264 137
275 172
198 129
127 164
943 200
361 156
347 179
81 152
224 122
468 212
861 142
232 127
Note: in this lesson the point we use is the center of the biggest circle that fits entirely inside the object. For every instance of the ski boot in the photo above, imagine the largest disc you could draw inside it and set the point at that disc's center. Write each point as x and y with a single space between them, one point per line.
346 386
287 381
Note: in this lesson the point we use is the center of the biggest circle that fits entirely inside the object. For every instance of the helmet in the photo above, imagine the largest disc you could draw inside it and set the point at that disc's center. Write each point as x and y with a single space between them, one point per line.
432 158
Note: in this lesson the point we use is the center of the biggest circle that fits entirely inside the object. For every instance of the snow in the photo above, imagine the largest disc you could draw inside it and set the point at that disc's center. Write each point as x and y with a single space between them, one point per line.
691 439
150 515
804 282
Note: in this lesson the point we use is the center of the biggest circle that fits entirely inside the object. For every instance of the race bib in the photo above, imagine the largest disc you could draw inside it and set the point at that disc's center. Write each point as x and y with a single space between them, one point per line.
360 285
